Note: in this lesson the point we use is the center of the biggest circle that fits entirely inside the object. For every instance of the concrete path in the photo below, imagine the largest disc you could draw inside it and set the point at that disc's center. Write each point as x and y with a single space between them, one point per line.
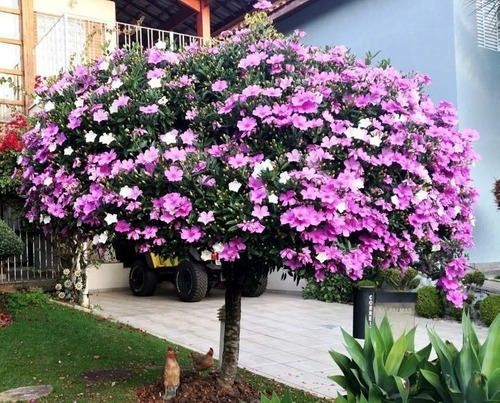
283 336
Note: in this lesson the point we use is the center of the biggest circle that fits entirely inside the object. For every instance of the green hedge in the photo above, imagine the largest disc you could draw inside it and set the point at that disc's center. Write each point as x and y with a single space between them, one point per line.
429 303
10 243
489 308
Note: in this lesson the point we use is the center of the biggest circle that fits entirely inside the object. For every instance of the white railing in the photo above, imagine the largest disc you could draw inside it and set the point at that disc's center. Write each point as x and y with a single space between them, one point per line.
73 40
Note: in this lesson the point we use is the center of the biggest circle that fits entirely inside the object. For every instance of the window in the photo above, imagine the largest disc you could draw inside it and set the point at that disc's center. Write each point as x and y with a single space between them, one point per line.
488 28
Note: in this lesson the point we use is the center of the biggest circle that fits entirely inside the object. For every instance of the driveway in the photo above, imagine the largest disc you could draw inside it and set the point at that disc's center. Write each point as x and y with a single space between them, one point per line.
282 335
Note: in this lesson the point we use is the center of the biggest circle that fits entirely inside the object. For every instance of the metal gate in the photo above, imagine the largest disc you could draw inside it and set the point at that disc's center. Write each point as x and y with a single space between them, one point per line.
38 260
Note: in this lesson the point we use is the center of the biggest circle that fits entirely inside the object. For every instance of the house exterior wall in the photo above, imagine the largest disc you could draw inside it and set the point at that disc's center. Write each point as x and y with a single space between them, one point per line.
92 9
437 38
478 84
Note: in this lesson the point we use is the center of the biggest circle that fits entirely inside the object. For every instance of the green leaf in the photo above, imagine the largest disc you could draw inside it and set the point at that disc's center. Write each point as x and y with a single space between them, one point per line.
466 364
477 389
446 358
403 388
386 332
469 334
396 355
435 380
494 383
345 365
409 366
355 350
489 356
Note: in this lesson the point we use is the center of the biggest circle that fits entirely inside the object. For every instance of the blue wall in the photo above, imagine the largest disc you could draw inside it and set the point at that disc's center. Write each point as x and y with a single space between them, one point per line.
416 35
437 38
478 85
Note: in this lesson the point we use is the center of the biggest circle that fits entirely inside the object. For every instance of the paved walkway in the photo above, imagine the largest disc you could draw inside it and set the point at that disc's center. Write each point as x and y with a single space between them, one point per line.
283 336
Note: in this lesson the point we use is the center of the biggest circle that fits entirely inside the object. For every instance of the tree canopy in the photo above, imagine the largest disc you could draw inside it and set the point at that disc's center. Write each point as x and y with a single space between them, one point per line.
259 148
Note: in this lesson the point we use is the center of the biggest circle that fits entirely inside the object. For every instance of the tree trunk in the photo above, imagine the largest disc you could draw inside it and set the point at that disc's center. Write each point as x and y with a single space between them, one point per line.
227 375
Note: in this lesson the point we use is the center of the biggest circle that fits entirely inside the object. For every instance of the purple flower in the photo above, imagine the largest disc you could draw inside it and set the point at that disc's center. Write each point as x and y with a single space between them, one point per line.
173 174
122 226
149 109
219 85
206 217
191 234
100 115
247 124
260 212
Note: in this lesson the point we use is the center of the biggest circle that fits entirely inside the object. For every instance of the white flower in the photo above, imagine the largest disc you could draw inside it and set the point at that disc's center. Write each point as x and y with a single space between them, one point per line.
116 84
113 108
106 139
322 257
262 166
440 211
375 141
67 283
111 218
170 137
103 237
358 183
49 106
46 219
90 136
206 255
163 101
436 247
421 195
79 102
457 210
395 200
19 159
155 82
161 45
61 295
78 286
95 240
272 198
78 273
52 147
453 182
218 247
68 151
48 181
234 186
341 207
284 177
104 65
66 272
355 133
58 287
125 191
364 123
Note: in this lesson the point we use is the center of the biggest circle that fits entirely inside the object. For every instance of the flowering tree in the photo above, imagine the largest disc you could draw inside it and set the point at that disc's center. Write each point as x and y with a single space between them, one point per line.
269 152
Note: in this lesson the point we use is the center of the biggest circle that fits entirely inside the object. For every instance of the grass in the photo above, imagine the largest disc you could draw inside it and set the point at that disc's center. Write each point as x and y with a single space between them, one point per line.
53 344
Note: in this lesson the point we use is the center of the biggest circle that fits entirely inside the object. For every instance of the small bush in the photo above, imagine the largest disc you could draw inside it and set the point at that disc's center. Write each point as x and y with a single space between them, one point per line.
475 277
10 243
335 288
489 308
429 303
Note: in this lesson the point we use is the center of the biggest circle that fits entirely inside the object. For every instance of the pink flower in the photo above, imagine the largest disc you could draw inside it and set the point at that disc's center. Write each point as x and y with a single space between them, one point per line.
191 234
238 161
173 174
219 85
247 124
122 226
260 212
149 109
262 5
100 116
206 217
188 137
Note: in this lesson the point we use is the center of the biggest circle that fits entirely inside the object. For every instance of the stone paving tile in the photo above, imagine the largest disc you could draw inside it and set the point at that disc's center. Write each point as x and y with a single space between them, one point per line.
283 336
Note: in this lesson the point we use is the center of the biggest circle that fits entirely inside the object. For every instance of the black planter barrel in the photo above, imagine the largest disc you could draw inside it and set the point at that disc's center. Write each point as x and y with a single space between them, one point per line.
364 301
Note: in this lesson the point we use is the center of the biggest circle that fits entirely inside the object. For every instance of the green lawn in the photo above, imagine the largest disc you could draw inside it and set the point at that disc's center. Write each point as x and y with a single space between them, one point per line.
53 344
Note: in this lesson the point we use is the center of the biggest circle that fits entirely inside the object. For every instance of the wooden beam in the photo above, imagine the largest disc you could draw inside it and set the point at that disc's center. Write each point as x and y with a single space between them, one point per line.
16 102
179 18
203 20
193 4
10 41
28 36
9 10
288 8
11 72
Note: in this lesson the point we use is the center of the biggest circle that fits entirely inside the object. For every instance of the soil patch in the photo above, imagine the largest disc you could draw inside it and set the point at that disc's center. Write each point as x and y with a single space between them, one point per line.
196 388
107 375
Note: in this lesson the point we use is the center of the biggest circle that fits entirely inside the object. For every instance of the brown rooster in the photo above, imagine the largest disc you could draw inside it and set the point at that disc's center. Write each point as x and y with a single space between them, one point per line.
171 375
202 362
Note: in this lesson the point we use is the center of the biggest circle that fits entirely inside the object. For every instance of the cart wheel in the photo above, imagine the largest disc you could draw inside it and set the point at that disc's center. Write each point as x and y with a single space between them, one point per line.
141 279
256 290
191 281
